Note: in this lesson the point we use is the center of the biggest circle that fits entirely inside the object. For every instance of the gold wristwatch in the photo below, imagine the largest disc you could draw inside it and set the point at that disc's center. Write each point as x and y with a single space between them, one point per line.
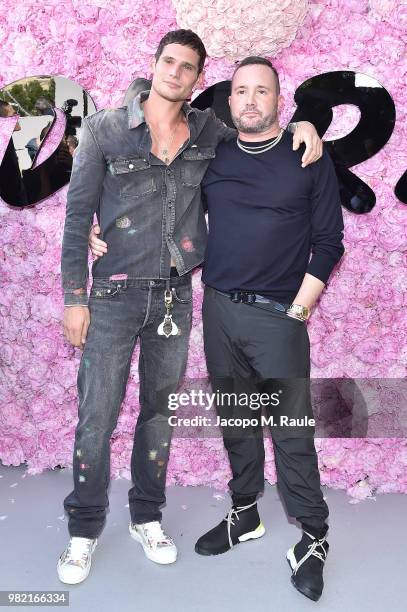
302 312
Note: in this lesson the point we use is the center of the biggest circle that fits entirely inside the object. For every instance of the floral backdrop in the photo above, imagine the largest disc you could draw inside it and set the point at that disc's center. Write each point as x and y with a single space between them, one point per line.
359 328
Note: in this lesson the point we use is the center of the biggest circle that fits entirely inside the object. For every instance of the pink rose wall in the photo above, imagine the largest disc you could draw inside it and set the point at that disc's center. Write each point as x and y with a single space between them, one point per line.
359 327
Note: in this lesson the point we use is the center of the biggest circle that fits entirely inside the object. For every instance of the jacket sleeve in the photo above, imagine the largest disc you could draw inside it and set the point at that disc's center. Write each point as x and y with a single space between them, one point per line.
85 187
326 220
222 131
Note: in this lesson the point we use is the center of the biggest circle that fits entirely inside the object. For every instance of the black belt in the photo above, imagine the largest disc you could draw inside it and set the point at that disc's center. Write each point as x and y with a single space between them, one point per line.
249 297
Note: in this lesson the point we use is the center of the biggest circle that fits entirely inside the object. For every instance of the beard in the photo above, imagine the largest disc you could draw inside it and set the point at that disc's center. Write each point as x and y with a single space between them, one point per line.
254 127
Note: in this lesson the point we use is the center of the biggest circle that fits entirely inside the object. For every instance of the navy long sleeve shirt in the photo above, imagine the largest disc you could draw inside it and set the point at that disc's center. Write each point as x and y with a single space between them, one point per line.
270 220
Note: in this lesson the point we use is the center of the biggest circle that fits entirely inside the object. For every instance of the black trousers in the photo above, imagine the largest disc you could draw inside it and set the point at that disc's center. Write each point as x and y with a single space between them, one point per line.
256 351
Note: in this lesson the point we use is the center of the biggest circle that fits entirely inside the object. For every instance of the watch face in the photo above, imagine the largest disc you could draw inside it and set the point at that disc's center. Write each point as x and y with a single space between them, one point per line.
302 311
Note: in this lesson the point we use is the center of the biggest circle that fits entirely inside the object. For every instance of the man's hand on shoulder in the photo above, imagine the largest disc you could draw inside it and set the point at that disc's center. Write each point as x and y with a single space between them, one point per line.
306 133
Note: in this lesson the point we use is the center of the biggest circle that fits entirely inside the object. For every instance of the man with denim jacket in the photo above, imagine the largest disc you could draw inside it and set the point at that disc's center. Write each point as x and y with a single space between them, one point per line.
139 168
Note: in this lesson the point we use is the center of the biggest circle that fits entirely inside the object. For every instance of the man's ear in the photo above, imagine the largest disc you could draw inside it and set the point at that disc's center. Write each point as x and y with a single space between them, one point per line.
280 102
152 64
229 100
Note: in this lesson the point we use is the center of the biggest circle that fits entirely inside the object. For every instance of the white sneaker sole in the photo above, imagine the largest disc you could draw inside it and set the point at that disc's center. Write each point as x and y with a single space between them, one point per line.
82 577
252 535
291 558
149 554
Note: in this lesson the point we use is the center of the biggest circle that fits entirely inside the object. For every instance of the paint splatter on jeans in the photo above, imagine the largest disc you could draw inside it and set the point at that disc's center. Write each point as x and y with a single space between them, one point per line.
121 312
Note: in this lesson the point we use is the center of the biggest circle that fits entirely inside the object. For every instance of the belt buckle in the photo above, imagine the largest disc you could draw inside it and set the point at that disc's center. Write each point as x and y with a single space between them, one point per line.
247 297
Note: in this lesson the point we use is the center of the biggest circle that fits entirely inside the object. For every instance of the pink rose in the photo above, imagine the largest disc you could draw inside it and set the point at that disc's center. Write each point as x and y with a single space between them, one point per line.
331 307
11 451
369 351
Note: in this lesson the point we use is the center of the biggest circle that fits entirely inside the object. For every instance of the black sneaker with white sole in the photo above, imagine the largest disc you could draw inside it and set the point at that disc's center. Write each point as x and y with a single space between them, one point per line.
242 523
306 560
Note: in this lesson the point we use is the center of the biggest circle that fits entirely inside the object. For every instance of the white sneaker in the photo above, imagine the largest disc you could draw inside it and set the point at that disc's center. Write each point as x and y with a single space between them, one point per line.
74 563
158 546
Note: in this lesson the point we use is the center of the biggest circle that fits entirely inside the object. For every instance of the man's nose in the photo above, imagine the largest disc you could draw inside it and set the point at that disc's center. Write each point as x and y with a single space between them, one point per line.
174 71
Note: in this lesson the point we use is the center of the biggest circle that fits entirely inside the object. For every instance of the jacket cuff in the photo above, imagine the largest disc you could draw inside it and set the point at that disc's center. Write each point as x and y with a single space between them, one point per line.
73 299
291 127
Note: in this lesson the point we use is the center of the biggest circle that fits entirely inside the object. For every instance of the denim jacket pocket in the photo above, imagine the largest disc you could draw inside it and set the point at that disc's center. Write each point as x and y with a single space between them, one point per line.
134 176
196 161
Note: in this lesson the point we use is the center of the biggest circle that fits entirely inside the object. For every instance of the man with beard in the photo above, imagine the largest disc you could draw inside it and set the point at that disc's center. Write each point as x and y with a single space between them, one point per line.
266 217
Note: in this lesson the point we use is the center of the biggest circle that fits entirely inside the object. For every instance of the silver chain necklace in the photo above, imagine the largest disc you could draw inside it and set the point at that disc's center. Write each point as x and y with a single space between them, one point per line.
165 152
262 148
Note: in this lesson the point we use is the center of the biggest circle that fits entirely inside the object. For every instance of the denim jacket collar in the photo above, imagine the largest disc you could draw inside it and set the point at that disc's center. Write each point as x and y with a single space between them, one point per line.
136 113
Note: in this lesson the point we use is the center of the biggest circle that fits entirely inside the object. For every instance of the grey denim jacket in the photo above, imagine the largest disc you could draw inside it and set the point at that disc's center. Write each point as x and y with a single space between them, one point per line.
148 212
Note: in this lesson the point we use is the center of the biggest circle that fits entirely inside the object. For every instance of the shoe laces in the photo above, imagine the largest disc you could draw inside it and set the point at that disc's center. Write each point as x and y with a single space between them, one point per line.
312 550
155 535
234 514
78 551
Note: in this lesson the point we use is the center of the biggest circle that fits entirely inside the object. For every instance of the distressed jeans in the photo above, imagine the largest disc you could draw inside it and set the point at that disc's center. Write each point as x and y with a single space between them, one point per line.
121 311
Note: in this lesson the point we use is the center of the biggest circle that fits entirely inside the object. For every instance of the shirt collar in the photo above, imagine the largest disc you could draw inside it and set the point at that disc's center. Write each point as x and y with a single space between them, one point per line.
136 113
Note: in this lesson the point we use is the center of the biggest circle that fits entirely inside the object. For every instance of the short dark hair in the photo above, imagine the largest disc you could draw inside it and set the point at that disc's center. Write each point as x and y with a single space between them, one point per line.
262 61
188 38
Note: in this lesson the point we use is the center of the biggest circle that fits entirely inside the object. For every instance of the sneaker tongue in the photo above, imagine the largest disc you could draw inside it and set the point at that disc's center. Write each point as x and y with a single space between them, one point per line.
155 531
79 547
80 542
